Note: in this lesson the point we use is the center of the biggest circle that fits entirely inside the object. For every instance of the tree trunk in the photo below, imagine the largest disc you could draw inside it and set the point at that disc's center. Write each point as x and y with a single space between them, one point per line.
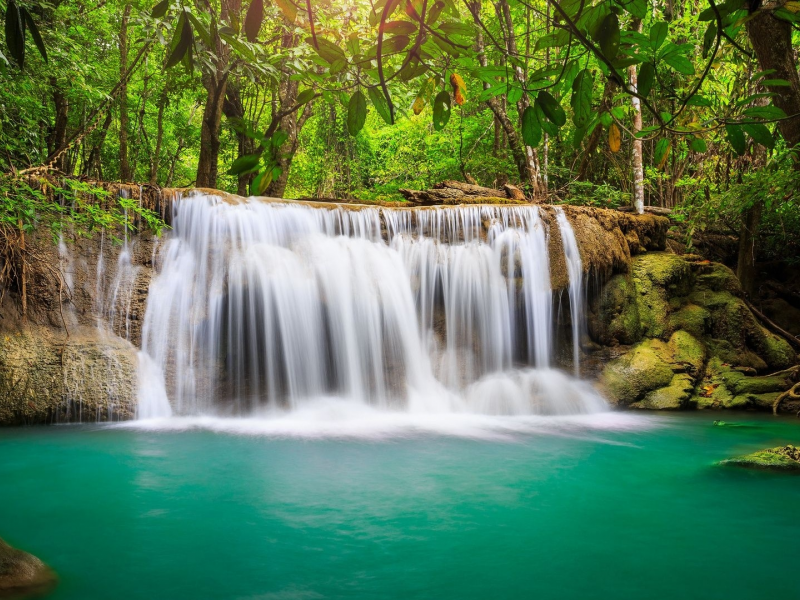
58 138
124 167
745 268
155 160
94 163
771 39
234 109
638 168
216 83
597 133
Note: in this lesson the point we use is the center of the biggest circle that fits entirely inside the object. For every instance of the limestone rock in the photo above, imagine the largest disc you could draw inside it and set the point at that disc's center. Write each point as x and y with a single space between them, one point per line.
23 573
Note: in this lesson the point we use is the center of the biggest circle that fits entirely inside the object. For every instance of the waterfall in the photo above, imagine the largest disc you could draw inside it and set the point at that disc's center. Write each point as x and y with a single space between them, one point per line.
263 305
575 271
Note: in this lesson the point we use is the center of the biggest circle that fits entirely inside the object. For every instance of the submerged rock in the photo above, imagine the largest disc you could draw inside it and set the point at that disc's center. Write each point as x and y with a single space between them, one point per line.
784 458
22 574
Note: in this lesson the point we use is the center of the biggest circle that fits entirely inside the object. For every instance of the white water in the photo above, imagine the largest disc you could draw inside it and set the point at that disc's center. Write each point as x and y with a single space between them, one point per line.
575 270
263 306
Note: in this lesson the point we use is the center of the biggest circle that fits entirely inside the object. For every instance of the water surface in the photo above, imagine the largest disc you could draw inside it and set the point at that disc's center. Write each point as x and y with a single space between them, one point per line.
611 506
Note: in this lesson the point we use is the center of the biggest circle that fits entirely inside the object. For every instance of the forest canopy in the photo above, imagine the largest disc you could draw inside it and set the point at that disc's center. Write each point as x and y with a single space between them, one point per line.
691 105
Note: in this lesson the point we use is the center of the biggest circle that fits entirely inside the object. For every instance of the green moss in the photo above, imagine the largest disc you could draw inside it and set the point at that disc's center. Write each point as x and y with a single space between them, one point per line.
629 378
662 268
776 351
672 397
686 351
786 458
615 319
692 318
718 278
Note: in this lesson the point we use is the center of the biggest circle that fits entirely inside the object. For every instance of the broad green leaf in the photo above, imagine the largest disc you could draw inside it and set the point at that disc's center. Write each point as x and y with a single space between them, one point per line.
638 8
680 63
201 30
736 138
546 124
709 37
607 36
160 9
647 75
37 39
253 20
15 34
661 152
180 41
531 130
288 9
356 113
658 34
760 134
605 119
769 112
514 94
305 96
441 110
395 44
261 183
434 12
558 38
581 100
399 27
698 145
775 82
456 29
551 108
244 164
279 138
326 49
698 100
379 102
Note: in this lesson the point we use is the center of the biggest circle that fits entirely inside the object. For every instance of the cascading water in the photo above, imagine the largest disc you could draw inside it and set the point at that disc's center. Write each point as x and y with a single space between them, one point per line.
575 271
268 305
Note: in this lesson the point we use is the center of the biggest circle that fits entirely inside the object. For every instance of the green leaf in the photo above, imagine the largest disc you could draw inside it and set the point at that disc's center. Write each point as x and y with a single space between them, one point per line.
514 94
531 130
395 44
660 154
261 183
775 82
160 9
607 36
760 134
698 145
558 38
356 113
253 20
638 8
15 34
658 34
434 12
379 102
244 164
456 29
769 112
37 39
288 9
551 108
709 37
305 96
546 124
180 41
279 138
581 100
399 27
736 138
329 51
441 110
680 63
201 30
698 100
647 76
605 119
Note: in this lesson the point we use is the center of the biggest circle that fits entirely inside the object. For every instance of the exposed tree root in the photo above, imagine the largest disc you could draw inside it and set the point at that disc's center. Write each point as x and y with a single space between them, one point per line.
792 394
773 327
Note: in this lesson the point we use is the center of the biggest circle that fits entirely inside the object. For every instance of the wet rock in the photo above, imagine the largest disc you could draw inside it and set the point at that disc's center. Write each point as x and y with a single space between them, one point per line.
22 574
783 458
46 377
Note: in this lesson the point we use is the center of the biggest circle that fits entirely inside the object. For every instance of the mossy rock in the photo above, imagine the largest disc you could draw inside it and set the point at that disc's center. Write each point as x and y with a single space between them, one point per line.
643 369
717 277
661 279
691 318
687 351
22 574
784 458
614 315
672 397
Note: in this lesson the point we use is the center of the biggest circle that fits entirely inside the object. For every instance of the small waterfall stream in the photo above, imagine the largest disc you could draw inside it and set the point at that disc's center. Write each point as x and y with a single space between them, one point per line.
267 305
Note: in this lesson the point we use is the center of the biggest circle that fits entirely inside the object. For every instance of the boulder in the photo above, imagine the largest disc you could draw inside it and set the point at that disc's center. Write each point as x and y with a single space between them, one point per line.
22 573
